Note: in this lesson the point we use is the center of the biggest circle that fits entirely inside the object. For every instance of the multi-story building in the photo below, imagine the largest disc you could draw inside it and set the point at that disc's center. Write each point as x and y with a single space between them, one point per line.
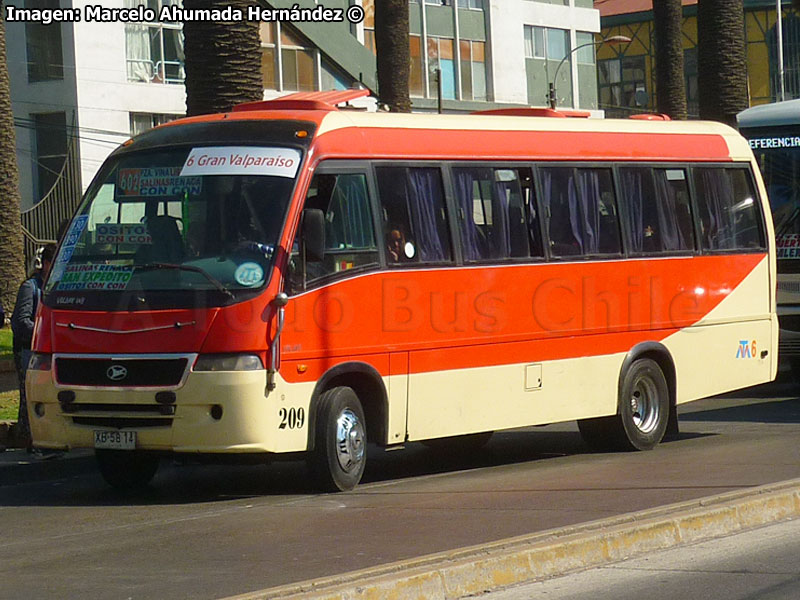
81 88
626 74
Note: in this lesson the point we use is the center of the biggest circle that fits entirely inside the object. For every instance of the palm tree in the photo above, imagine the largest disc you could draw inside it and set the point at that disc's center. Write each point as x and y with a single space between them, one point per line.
222 60
670 87
393 53
12 269
721 61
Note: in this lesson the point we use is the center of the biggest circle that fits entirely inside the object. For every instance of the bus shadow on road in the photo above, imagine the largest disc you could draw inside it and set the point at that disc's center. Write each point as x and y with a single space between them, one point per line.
785 410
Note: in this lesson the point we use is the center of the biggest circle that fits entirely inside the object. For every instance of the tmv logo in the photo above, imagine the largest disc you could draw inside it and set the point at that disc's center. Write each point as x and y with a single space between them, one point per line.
746 349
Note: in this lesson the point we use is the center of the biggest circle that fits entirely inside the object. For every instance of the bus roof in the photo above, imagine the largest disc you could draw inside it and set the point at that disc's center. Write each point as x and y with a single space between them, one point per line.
770 115
435 136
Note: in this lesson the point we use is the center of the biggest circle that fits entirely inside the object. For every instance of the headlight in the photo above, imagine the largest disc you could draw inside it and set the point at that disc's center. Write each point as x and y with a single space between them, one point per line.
228 362
40 362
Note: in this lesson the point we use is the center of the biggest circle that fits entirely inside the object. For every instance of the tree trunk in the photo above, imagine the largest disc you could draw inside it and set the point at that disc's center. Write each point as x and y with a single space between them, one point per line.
670 85
222 60
393 53
721 61
12 267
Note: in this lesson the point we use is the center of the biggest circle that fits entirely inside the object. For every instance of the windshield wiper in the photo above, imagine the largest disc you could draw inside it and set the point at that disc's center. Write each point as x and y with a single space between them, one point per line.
193 269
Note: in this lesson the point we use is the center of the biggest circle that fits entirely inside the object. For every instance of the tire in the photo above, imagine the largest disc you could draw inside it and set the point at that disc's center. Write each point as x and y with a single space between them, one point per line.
340 445
459 444
126 470
642 412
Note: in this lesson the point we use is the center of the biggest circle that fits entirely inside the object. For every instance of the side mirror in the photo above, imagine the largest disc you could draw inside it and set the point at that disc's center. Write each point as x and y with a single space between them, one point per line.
313 234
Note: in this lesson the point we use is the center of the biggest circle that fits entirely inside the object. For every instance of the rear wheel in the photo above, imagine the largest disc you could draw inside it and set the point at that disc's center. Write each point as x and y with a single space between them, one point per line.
643 412
126 470
340 449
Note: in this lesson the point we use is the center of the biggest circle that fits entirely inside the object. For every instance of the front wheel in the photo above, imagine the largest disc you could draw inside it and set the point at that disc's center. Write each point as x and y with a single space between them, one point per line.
126 470
643 412
340 449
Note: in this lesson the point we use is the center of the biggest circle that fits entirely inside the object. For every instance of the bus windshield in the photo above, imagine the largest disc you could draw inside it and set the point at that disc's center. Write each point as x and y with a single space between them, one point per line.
186 219
780 168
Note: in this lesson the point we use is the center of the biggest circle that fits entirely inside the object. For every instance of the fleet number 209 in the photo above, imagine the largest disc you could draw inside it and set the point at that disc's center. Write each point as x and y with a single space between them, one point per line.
291 418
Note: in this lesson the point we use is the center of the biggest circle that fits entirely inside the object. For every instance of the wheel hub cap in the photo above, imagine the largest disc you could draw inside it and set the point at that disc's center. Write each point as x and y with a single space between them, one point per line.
644 405
350 445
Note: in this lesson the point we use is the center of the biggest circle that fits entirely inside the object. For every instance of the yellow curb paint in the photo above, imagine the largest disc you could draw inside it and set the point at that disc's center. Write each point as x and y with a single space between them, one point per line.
459 573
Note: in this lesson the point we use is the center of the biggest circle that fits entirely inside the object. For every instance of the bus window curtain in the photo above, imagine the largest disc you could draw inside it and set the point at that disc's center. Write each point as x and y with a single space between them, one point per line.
425 198
470 238
719 232
588 199
353 200
501 225
667 209
632 183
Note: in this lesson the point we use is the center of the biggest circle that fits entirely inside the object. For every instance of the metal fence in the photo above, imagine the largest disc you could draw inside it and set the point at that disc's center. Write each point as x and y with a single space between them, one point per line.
42 223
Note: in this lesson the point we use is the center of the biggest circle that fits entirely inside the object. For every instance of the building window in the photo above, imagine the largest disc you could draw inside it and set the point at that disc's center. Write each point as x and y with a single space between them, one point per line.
791 58
545 42
441 59
43 45
369 24
269 72
297 60
50 135
622 83
416 80
474 4
154 51
473 70
585 55
141 122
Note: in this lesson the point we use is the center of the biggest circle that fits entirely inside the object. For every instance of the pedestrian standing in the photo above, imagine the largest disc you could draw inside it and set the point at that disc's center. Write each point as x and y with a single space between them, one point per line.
28 297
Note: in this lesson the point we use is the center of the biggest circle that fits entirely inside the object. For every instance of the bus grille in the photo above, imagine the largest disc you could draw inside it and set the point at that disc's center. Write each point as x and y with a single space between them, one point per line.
119 415
121 422
122 372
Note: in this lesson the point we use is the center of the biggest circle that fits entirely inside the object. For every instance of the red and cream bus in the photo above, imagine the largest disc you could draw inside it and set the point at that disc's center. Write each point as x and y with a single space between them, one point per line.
294 278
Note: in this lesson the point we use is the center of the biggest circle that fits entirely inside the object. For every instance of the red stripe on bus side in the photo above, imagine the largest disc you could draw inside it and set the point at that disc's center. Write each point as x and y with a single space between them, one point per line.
431 144
474 317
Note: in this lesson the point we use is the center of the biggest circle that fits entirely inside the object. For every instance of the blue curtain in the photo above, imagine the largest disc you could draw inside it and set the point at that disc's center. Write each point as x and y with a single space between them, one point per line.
425 198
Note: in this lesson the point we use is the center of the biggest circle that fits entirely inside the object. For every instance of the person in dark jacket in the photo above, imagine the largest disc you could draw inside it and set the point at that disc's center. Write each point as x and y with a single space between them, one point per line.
28 297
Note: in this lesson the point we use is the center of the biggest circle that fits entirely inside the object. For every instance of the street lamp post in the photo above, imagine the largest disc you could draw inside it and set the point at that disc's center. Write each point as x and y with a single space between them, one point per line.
614 39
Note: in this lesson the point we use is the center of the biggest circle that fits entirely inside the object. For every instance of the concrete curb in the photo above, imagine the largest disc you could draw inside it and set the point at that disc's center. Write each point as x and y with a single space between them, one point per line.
473 570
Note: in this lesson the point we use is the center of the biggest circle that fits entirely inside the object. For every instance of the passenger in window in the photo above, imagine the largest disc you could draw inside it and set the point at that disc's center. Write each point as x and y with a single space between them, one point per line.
395 246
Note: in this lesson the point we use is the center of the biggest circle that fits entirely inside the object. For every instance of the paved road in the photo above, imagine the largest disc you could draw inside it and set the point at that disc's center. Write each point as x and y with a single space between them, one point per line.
763 564
209 532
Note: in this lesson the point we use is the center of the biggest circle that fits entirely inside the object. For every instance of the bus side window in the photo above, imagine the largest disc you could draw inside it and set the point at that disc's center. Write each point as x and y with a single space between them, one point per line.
494 213
659 214
414 218
349 233
729 215
582 217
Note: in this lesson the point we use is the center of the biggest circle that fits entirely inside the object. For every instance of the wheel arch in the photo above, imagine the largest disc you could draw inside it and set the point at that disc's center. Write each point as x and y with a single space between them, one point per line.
367 384
659 353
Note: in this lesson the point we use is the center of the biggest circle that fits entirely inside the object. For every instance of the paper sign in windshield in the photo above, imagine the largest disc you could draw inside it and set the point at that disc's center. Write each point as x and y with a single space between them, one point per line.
122 233
95 277
157 181
235 160
788 245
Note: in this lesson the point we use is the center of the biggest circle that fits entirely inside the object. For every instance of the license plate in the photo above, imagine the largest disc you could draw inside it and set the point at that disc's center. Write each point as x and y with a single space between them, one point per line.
115 440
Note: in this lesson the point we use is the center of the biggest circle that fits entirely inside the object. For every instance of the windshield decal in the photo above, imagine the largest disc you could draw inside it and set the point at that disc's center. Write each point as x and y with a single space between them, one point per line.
95 277
235 160
68 246
249 274
157 181
788 245
122 233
